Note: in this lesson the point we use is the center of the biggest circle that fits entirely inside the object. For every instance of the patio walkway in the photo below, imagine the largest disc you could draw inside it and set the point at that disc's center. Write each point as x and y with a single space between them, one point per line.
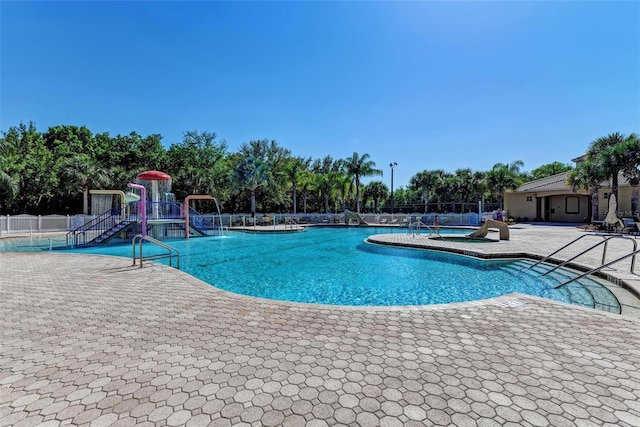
89 340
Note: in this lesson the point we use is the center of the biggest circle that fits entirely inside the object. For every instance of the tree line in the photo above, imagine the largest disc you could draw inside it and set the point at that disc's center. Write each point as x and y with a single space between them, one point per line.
49 172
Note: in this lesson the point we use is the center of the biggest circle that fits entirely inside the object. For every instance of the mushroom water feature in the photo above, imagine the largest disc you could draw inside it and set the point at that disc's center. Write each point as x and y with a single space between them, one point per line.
158 185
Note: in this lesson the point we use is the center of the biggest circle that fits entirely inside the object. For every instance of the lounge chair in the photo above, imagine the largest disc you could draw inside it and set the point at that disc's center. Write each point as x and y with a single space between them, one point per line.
266 220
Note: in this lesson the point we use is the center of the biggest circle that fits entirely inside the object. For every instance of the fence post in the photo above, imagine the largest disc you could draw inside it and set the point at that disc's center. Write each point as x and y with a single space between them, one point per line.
39 222
8 227
68 222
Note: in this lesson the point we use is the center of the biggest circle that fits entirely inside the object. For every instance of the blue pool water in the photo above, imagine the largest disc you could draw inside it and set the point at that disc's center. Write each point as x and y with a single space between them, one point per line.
335 266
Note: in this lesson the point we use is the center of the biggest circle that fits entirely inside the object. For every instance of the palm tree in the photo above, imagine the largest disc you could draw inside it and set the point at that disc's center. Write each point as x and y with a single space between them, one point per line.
446 189
424 181
357 167
343 185
306 186
294 168
251 173
377 191
326 183
631 162
82 169
504 176
588 176
479 185
607 155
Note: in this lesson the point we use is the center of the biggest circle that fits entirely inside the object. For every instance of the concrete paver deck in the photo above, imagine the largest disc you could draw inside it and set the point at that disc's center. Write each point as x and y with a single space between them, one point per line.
89 340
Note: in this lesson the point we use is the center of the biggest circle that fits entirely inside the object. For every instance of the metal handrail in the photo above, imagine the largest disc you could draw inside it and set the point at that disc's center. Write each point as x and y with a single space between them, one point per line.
99 225
140 238
564 247
434 230
415 228
290 222
604 252
633 254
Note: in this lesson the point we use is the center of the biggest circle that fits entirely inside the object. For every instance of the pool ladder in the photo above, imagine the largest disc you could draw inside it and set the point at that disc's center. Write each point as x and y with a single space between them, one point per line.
171 251
603 264
415 228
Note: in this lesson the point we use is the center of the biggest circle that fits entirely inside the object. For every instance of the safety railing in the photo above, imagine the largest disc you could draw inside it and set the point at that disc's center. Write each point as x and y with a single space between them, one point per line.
170 251
290 223
416 228
203 223
595 270
92 229
604 242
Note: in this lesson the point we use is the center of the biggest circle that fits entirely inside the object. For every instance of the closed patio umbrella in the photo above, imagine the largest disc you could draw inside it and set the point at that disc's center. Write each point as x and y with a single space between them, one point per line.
612 219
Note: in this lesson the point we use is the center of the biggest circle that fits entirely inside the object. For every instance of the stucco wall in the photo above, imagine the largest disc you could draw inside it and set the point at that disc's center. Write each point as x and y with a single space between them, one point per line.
516 205
569 208
624 202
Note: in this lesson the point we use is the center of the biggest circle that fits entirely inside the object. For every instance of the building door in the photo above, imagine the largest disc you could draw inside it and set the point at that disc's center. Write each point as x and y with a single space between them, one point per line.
547 209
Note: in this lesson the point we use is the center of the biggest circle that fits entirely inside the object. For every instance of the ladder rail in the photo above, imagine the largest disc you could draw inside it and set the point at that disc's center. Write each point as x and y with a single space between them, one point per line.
291 223
604 253
564 247
595 270
432 230
140 238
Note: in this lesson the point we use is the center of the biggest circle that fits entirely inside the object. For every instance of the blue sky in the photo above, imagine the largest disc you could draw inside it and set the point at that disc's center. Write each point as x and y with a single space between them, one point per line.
429 85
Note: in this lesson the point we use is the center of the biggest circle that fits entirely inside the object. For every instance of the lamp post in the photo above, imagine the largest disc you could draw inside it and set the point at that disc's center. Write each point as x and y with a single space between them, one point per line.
392 165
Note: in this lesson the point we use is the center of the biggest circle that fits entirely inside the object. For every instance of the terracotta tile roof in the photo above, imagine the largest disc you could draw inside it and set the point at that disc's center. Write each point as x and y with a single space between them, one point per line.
558 182
554 182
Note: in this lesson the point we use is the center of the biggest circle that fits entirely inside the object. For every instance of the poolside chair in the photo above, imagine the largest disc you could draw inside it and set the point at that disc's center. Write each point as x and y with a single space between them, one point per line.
266 220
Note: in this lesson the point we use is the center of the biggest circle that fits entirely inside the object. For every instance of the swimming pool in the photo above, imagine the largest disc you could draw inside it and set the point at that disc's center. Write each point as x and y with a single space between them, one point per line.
326 265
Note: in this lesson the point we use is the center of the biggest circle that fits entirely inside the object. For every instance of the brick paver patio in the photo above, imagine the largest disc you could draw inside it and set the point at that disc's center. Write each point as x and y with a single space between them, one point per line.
89 340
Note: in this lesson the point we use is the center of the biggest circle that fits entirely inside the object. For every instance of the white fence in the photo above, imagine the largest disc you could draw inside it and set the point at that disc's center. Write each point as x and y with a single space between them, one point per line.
44 223
40 223
245 220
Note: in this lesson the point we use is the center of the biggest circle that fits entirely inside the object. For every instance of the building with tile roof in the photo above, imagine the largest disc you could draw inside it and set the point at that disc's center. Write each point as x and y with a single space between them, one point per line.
552 199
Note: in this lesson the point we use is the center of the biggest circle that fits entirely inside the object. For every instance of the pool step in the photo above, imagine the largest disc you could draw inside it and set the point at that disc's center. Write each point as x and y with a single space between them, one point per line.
583 292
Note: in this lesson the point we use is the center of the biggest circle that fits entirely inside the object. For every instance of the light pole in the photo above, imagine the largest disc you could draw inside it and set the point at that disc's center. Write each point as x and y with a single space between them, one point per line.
392 165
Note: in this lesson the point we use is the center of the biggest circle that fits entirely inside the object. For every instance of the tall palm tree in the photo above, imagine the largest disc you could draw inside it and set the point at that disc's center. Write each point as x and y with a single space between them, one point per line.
606 154
326 183
424 182
250 174
357 167
306 186
343 185
631 162
504 176
85 171
294 168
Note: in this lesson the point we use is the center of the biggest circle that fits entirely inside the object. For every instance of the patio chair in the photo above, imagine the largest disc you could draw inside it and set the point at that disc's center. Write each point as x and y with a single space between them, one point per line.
266 220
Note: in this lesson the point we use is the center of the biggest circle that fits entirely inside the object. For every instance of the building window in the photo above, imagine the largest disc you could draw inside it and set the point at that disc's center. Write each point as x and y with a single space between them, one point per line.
529 198
605 196
572 205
